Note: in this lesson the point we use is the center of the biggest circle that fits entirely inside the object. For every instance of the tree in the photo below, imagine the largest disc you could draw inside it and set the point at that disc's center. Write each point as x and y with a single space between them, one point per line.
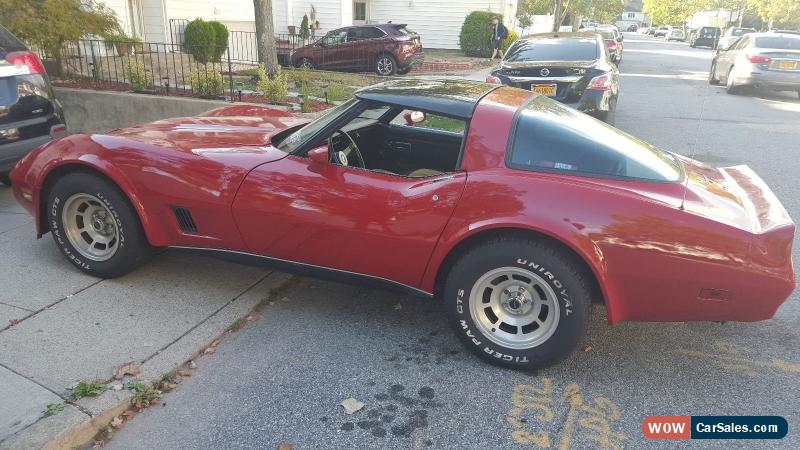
785 13
603 11
528 8
48 24
265 35
674 12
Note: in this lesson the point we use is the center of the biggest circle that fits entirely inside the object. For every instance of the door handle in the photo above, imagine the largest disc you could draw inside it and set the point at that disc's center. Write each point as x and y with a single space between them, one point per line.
400 146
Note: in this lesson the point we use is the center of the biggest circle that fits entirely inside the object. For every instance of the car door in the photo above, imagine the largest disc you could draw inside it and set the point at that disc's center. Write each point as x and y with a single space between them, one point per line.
726 58
345 218
334 49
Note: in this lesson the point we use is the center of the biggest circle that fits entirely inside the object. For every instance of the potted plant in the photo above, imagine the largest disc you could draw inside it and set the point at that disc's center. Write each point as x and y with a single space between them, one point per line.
123 44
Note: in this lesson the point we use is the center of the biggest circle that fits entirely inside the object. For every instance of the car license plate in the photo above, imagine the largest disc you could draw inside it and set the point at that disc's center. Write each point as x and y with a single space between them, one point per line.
787 65
544 89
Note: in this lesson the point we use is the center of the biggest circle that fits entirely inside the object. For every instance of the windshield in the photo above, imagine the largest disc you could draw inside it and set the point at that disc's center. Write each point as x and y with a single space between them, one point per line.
296 139
553 137
779 42
741 31
553 50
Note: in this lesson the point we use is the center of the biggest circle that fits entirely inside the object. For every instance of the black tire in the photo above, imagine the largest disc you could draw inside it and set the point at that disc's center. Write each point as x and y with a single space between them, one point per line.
556 268
132 248
306 63
4 179
385 65
730 87
712 77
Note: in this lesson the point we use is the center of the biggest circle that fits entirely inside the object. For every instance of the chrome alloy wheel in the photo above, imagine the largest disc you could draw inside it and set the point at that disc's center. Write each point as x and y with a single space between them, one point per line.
385 65
90 227
514 308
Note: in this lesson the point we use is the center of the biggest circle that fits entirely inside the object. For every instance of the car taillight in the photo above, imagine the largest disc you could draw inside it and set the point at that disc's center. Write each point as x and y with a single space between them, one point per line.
26 62
756 59
611 44
493 79
600 83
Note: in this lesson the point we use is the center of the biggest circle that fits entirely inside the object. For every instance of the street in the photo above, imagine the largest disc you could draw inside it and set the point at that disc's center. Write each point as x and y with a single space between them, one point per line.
281 378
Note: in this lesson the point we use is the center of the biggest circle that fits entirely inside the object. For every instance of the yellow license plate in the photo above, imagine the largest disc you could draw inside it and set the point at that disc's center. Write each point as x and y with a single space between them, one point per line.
544 89
787 65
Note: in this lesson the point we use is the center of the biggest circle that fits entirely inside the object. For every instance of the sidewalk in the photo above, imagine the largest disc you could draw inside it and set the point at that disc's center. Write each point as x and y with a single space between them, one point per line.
59 327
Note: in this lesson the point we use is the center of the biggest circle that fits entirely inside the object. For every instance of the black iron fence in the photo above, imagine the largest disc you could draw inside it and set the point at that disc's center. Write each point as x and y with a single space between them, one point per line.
146 67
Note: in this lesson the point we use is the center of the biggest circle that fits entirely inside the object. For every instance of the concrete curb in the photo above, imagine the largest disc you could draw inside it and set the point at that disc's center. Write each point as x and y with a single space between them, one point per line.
81 420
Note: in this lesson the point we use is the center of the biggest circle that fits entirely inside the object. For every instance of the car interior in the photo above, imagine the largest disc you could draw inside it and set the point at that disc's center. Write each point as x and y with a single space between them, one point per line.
395 141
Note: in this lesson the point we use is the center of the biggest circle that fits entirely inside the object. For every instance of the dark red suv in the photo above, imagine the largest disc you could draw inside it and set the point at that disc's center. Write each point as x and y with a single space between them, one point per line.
387 49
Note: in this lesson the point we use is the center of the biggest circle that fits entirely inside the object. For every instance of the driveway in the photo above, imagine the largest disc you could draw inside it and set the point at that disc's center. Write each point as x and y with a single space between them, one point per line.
281 378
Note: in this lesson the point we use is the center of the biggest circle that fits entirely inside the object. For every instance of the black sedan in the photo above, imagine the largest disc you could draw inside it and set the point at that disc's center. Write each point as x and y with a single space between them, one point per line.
573 68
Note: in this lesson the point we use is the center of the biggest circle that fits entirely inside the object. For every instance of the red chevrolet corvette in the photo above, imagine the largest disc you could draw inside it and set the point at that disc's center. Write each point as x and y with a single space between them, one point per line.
516 210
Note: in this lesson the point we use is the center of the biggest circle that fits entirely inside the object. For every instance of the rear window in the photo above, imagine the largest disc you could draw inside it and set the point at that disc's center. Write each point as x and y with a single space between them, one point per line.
552 137
405 30
741 31
784 43
9 43
553 50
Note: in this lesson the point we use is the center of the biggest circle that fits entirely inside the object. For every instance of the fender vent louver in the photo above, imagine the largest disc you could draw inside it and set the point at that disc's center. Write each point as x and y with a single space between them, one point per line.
184 218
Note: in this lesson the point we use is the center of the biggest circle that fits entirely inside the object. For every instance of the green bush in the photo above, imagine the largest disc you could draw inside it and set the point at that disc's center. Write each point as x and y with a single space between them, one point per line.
305 32
512 37
139 78
475 38
199 39
220 38
274 87
206 81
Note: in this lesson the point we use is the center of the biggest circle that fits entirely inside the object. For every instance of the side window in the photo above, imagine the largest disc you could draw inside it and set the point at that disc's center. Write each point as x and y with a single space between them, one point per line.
432 122
552 138
371 33
336 37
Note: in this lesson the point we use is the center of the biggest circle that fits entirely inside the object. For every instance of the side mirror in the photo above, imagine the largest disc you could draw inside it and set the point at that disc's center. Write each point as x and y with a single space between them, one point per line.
319 154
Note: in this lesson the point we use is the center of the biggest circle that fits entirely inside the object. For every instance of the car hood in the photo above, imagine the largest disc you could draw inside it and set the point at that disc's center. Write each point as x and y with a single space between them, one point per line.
240 135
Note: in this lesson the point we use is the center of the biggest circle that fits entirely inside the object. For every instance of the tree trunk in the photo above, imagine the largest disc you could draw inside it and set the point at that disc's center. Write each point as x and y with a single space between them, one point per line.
265 35
557 11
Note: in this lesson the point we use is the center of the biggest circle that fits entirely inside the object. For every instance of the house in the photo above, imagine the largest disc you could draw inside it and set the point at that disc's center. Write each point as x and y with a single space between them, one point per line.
437 21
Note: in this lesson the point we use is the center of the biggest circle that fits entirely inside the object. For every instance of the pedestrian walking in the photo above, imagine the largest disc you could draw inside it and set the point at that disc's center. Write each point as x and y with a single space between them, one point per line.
499 34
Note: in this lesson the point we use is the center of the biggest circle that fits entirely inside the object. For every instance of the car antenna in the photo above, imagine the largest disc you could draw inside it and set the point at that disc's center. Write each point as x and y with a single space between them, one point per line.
691 149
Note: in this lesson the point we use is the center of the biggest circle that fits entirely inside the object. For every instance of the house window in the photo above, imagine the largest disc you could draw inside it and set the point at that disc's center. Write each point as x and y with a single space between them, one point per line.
359 11
631 15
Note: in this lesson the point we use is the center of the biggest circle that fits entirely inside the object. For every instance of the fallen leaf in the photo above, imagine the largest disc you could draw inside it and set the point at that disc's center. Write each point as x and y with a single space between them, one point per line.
587 349
99 443
209 350
351 405
127 415
191 365
117 422
184 372
215 343
177 379
250 318
398 307
167 386
129 368
13 322
285 446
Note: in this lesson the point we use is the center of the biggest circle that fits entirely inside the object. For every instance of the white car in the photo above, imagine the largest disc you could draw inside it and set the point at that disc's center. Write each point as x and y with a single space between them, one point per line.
731 35
675 34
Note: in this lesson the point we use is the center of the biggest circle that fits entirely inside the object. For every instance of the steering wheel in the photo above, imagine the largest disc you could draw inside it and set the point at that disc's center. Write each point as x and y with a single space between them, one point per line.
342 156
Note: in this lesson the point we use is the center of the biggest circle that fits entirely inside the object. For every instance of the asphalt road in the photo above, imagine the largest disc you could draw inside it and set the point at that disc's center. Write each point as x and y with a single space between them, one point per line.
280 379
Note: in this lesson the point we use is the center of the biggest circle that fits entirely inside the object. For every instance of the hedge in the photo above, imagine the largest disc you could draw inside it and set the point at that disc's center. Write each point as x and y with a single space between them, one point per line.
475 38
199 39
220 38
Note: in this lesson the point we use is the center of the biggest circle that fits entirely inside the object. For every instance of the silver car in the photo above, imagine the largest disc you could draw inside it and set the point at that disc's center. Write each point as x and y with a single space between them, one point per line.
761 60
732 34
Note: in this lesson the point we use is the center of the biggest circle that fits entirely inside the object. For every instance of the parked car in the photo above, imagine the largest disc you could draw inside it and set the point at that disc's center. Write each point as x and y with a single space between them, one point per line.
675 34
614 41
516 210
30 115
661 31
706 37
646 30
573 68
760 60
386 49
731 35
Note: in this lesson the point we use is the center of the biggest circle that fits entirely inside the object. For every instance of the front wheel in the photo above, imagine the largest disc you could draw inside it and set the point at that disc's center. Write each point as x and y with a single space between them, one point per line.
305 63
519 303
712 74
95 226
385 65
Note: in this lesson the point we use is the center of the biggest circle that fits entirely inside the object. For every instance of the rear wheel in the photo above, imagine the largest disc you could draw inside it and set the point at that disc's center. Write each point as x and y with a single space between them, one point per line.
305 63
730 83
5 179
519 303
95 226
385 65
